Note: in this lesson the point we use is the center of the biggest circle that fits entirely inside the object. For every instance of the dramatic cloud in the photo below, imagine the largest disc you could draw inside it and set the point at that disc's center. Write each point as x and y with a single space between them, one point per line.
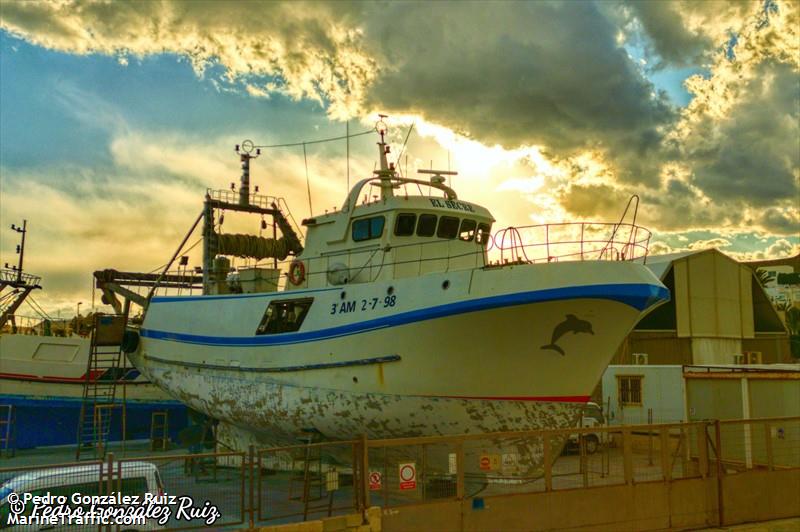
307 51
541 105
554 76
682 33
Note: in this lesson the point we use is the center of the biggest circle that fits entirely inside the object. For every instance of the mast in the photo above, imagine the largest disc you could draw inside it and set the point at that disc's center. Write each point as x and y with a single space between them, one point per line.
386 172
13 277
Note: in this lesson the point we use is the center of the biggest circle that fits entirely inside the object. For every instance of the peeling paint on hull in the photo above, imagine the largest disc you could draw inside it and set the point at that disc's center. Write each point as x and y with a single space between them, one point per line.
279 411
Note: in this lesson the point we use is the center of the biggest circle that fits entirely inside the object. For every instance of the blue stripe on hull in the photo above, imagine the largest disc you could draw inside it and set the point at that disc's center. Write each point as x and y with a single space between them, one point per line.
639 296
44 421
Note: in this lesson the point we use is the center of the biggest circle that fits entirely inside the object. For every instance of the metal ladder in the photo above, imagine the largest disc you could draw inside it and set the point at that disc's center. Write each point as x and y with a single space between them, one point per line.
311 477
104 368
8 418
159 432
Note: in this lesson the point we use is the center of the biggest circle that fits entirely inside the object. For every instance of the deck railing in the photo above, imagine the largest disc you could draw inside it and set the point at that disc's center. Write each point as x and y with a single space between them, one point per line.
11 276
571 241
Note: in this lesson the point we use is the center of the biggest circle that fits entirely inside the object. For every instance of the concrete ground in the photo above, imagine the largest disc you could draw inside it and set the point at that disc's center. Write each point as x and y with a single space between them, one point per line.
780 525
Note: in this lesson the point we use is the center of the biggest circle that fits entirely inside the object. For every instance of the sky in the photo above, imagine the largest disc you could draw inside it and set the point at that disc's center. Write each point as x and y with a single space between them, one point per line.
116 117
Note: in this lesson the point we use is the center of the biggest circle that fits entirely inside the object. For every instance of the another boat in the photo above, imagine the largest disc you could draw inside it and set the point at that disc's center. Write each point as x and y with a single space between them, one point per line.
43 378
44 368
393 320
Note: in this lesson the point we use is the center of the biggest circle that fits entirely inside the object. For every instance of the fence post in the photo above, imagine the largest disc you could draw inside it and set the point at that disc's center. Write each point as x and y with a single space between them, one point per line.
460 465
251 468
666 464
110 474
702 449
627 458
718 443
364 473
649 436
548 470
768 446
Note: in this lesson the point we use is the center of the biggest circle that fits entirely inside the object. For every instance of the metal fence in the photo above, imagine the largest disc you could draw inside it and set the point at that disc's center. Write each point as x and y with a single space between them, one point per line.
316 480
484 465
308 481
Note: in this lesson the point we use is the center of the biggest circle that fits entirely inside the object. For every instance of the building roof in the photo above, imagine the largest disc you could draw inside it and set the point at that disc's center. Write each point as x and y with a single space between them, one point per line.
765 316
660 264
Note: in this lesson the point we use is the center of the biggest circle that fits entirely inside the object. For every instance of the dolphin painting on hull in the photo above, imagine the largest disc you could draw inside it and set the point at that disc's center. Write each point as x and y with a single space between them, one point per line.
573 324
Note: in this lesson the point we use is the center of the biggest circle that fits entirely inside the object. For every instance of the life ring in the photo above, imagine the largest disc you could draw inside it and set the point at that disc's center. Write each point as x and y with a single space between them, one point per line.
297 272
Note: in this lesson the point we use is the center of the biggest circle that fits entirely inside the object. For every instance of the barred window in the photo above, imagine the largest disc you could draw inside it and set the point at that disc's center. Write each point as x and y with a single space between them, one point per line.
630 390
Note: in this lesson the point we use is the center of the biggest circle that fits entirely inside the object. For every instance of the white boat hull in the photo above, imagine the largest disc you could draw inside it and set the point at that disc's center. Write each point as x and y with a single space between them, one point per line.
477 356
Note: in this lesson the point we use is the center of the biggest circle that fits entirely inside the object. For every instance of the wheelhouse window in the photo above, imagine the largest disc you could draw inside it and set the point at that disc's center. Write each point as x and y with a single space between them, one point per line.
284 316
467 231
404 226
630 390
482 236
448 227
426 225
368 228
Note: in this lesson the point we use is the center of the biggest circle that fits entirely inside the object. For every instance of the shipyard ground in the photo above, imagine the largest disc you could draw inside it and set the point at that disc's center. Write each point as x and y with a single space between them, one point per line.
227 487
779 525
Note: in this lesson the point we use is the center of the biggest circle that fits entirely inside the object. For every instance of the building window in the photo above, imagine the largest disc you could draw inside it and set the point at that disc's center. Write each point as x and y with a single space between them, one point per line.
467 231
448 227
630 390
404 226
284 316
482 237
426 225
368 228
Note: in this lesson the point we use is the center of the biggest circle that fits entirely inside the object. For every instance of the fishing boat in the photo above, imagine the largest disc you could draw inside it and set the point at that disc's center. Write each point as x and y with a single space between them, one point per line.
401 314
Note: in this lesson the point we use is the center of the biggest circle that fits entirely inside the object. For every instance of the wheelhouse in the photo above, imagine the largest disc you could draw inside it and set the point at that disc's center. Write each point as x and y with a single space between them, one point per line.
395 237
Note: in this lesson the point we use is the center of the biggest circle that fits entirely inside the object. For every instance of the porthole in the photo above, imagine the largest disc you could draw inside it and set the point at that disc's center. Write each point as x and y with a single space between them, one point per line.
390 290
445 285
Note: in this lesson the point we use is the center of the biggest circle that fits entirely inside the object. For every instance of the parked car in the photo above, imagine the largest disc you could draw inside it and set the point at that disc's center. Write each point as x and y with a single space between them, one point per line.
137 478
592 417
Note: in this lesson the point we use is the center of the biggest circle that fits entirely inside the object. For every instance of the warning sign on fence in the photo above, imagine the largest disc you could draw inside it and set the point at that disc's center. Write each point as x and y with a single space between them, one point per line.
375 480
408 476
490 462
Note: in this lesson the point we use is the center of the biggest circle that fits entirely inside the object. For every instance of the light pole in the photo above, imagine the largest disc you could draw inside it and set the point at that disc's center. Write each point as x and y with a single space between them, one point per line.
78 313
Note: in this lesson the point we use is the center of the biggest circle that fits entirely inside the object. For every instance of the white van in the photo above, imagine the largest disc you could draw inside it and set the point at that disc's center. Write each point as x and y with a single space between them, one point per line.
137 478
592 417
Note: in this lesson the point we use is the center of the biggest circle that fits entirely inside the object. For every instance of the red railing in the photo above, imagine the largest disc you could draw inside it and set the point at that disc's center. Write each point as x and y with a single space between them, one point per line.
571 241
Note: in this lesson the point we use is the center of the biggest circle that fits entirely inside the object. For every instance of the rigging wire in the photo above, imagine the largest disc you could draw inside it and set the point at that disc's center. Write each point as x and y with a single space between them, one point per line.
185 251
318 141
397 161
308 181
38 313
31 301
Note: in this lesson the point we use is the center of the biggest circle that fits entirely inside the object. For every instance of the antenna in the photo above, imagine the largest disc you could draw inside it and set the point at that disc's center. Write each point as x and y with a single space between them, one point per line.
20 248
386 171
